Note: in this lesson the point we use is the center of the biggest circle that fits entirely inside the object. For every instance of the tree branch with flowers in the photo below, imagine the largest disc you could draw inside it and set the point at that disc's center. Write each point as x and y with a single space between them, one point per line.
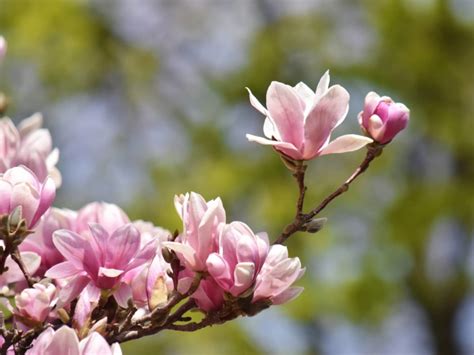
84 281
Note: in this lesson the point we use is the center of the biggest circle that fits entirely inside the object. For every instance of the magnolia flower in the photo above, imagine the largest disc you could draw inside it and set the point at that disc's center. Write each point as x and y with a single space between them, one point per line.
150 285
209 296
277 275
41 240
97 262
299 122
200 229
33 305
382 118
29 145
108 215
65 341
19 187
240 257
3 47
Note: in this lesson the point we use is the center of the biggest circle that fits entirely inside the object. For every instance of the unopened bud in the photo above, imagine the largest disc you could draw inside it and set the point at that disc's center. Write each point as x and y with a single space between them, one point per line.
15 216
167 255
315 225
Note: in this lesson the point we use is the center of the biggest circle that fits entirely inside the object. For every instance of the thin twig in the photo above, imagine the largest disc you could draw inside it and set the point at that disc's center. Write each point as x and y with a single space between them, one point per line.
298 223
17 258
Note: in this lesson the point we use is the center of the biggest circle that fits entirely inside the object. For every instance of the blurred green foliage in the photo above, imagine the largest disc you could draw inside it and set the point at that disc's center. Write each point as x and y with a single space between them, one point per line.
420 55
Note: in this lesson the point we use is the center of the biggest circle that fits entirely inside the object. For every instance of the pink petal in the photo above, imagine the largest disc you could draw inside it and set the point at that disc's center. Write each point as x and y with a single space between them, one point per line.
327 114
255 103
123 294
371 102
305 94
72 289
47 195
185 251
62 270
5 196
286 148
287 295
95 344
25 196
41 343
243 277
346 143
85 305
122 246
287 112
323 85
72 246
219 270
30 124
64 342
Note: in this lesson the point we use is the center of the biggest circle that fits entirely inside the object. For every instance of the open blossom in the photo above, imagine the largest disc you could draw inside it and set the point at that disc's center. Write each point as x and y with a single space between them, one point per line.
201 220
19 187
108 215
41 240
240 257
299 122
382 118
33 305
277 276
97 261
29 145
65 341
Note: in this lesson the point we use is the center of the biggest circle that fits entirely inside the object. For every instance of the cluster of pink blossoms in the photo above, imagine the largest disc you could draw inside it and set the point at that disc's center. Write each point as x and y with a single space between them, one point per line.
77 281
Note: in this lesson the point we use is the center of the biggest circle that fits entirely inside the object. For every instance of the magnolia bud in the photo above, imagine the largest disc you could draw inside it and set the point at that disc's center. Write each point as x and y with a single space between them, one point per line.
382 118
315 225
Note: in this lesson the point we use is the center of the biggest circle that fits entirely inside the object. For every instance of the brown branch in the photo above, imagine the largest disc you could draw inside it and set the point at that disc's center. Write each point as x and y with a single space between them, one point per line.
17 258
298 223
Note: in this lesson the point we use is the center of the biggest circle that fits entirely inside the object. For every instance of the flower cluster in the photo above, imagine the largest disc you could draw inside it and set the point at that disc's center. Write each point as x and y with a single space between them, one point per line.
85 279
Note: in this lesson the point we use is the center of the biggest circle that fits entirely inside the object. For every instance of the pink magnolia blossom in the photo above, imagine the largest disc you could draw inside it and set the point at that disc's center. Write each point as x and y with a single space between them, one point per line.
97 261
3 47
150 285
108 215
148 231
29 145
201 220
209 296
382 118
239 259
277 276
299 122
33 305
19 187
65 341
41 240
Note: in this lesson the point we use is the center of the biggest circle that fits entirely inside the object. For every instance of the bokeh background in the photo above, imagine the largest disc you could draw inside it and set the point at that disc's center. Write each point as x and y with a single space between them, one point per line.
146 99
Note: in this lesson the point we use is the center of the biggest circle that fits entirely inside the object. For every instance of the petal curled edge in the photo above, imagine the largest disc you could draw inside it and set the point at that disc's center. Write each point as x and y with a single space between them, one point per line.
346 143
284 147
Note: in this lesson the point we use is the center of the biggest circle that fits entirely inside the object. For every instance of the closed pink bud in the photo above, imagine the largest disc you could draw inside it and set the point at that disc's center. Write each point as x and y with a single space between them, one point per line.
19 187
299 121
41 240
382 118
29 145
239 259
108 215
65 341
201 220
277 276
33 305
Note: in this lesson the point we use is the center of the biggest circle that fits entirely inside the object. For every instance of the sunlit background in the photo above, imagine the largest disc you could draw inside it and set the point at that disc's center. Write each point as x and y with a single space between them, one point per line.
146 99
